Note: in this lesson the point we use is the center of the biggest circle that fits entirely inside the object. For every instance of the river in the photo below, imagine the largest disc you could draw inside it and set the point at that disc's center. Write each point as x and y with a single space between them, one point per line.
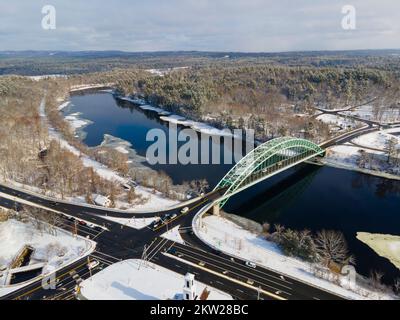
305 197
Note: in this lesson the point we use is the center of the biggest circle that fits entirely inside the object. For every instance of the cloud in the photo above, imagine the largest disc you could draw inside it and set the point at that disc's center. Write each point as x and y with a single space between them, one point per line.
218 25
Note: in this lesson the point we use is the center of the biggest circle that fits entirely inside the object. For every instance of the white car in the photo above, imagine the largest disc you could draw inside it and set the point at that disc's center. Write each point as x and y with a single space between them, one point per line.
250 264
185 209
93 264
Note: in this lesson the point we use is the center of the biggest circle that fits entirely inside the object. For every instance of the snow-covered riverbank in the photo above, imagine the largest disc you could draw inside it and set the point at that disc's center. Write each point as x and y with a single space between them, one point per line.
154 201
228 237
367 154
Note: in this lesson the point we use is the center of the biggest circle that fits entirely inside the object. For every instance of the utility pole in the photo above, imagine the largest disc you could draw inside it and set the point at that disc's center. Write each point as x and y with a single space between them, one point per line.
144 255
90 269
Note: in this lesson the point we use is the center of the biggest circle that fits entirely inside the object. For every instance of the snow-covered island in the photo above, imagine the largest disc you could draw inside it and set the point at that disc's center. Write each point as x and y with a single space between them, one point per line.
386 245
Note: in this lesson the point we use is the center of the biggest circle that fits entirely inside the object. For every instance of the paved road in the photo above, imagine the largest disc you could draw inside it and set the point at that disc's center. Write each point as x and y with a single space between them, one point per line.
121 242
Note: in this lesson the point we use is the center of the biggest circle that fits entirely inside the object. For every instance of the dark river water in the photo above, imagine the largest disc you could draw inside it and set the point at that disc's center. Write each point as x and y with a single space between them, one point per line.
304 197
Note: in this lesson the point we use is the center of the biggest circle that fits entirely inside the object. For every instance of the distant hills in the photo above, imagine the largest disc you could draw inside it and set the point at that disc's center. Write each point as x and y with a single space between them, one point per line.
72 62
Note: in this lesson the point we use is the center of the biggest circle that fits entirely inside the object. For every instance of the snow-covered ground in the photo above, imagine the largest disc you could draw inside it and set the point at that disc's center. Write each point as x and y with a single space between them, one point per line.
139 280
173 235
89 86
234 240
347 156
136 223
52 246
48 76
377 140
375 159
344 123
63 105
384 115
197 126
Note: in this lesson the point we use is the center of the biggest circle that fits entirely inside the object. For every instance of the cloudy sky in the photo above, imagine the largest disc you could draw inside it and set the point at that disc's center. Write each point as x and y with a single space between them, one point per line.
207 25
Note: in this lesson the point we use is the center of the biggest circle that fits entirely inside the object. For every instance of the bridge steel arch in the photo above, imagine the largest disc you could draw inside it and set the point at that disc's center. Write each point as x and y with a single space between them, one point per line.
266 160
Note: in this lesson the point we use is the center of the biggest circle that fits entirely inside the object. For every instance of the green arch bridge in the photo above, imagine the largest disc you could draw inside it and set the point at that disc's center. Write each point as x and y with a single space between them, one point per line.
265 161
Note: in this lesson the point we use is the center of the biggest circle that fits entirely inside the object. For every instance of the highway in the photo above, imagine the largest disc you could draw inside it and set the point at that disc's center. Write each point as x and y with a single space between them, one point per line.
116 242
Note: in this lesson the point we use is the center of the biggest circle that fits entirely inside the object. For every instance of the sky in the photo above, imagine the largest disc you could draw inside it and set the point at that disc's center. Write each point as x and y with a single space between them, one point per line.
203 25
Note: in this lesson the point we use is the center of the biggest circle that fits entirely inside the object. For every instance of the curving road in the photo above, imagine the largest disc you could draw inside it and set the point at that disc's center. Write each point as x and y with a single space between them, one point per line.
119 242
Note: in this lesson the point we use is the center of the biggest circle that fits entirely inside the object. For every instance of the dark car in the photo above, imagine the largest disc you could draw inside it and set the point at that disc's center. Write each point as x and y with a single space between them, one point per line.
171 250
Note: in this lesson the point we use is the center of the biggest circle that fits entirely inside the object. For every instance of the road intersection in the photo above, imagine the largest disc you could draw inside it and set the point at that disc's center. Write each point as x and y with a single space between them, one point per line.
116 242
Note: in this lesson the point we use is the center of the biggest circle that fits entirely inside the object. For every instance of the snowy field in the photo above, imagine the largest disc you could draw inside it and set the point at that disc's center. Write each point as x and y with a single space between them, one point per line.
367 112
377 140
347 156
52 246
138 280
341 122
234 240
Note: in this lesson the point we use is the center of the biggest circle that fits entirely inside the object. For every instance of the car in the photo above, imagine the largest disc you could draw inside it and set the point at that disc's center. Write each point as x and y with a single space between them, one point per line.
156 225
185 210
3 268
76 277
174 216
250 264
82 222
93 264
171 250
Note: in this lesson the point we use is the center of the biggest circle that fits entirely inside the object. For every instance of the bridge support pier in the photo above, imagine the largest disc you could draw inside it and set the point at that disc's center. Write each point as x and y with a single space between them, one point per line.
216 210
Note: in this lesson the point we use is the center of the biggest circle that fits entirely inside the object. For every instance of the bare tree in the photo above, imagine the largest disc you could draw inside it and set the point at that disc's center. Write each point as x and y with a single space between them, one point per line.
331 247
279 229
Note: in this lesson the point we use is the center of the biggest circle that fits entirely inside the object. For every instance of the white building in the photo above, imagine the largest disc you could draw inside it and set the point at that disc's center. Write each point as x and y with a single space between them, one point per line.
102 201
